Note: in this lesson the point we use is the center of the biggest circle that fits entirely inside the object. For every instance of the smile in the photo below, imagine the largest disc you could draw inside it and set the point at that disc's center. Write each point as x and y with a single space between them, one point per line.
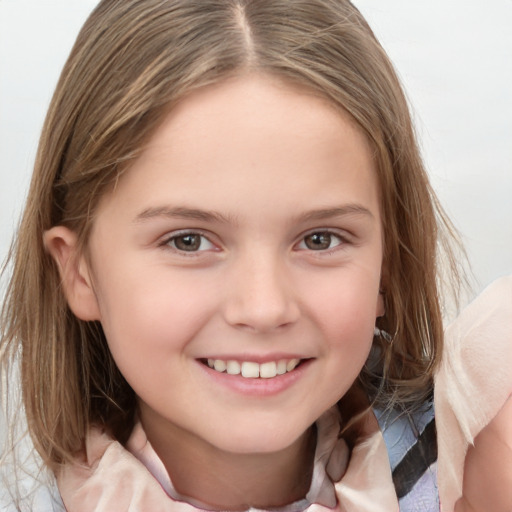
253 370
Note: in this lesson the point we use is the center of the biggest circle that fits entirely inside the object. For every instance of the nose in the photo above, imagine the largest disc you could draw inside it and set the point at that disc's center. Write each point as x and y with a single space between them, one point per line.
260 295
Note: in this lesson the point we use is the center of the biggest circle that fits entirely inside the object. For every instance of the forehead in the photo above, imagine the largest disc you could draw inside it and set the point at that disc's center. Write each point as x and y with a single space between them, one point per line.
253 138
263 102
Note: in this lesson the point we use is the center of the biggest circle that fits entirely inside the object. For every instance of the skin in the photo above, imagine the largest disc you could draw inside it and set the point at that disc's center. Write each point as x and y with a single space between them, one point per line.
252 169
488 467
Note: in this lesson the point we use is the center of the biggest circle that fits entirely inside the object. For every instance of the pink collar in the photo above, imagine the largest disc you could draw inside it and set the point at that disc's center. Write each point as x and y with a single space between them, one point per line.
134 478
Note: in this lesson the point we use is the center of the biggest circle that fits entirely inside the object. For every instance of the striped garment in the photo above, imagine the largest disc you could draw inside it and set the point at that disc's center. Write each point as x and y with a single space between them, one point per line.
412 449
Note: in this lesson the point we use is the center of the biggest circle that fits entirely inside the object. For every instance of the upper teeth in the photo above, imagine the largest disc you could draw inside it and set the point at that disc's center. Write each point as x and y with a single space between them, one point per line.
253 370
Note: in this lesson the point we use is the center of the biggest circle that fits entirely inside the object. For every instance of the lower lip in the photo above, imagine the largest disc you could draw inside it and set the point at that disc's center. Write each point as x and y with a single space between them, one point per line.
257 387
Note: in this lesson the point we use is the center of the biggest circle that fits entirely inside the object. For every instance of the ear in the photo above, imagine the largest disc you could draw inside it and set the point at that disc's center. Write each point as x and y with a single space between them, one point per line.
381 304
381 308
62 244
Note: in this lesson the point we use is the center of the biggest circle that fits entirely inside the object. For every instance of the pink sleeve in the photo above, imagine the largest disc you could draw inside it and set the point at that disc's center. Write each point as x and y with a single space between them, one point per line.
472 386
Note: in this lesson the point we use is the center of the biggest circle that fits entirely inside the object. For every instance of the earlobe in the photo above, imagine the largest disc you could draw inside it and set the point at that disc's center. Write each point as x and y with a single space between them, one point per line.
62 244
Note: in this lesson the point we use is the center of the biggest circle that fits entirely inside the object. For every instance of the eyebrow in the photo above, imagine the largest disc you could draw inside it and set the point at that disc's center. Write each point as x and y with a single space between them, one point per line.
212 216
181 213
341 211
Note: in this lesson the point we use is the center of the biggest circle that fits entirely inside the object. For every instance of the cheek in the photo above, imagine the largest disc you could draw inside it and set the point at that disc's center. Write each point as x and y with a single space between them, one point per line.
346 313
348 303
148 319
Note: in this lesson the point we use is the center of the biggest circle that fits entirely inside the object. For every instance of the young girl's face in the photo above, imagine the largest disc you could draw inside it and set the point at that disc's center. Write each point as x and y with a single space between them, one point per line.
247 236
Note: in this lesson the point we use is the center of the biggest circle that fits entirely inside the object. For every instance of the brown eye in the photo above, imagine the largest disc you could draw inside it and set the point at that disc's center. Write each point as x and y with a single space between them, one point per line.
190 242
320 241
187 242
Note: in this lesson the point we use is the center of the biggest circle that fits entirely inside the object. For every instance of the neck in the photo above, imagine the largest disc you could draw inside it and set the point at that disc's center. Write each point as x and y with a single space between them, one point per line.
233 481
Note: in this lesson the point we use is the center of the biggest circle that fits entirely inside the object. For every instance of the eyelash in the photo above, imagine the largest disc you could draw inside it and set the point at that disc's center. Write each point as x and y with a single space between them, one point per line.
342 241
169 242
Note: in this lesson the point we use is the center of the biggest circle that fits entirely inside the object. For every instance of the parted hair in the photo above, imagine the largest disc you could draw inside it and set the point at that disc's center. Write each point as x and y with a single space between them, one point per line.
132 61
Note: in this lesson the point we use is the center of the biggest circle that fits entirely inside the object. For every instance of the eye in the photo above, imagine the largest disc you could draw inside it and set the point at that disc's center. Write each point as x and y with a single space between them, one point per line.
189 242
320 241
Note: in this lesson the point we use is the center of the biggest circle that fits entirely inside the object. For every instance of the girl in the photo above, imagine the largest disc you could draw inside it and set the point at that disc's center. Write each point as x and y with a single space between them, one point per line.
228 255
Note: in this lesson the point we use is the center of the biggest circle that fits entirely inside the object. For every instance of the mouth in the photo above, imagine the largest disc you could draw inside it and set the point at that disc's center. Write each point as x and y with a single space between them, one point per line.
252 369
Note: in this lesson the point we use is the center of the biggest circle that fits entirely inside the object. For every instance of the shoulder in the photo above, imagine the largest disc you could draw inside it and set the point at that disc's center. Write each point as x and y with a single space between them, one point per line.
25 484
475 375
472 390
28 488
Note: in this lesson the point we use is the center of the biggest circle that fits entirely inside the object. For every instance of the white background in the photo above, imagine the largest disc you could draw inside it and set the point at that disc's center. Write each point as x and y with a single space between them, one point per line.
454 58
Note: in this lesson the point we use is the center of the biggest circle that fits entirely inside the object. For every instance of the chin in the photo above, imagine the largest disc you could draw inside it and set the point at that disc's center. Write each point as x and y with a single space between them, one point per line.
261 440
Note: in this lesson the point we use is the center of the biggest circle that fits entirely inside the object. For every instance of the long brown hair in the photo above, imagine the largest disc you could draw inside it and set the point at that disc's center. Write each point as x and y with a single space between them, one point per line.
132 61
